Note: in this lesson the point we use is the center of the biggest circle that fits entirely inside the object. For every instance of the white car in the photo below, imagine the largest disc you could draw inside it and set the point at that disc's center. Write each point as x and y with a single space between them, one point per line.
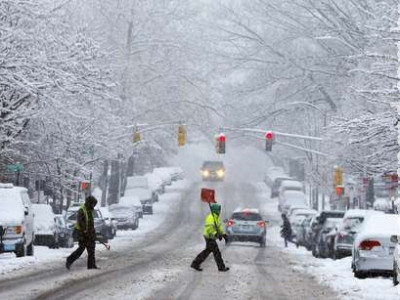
17 218
134 203
373 248
164 174
46 231
155 183
291 198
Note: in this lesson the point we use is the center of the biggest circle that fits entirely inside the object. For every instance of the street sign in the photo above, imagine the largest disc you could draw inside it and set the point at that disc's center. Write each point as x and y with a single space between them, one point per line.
15 168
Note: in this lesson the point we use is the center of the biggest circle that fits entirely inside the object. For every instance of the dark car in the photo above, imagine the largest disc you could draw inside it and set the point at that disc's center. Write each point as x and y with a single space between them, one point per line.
326 237
99 223
65 238
246 225
213 171
317 225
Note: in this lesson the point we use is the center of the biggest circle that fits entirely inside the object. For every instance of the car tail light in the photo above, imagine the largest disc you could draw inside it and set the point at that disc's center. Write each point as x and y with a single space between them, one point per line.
368 245
230 223
261 224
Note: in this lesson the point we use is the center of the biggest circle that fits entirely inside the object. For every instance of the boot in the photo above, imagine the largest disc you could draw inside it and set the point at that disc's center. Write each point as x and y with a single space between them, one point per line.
196 267
224 269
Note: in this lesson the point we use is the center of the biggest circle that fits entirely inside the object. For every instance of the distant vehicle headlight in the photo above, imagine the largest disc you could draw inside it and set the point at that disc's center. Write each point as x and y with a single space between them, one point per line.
206 173
220 173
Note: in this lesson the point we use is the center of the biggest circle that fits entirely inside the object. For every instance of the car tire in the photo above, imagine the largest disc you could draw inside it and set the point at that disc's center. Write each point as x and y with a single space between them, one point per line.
20 251
395 274
30 250
359 274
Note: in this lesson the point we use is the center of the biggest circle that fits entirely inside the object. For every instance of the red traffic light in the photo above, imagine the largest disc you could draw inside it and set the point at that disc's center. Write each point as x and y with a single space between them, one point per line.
221 138
269 135
340 190
84 185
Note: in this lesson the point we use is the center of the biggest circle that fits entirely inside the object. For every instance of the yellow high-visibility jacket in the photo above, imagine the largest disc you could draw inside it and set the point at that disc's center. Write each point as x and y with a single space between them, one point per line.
213 227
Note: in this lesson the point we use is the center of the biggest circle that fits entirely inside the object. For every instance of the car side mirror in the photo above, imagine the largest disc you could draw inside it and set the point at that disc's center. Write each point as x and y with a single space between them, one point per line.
394 239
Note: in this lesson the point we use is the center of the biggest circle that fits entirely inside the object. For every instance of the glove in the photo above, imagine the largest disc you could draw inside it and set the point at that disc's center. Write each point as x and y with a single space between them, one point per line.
225 238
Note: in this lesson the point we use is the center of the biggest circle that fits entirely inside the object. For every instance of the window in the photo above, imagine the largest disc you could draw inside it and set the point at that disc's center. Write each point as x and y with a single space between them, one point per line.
246 216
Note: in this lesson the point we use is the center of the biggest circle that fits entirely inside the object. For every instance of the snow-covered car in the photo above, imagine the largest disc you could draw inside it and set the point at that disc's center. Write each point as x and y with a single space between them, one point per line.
164 174
17 219
65 238
246 225
277 184
99 224
145 196
142 183
290 198
134 203
125 216
155 183
288 185
213 171
373 248
383 204
110 223
301 231
297 216
176 173
345 236
325 240
46 231
273 173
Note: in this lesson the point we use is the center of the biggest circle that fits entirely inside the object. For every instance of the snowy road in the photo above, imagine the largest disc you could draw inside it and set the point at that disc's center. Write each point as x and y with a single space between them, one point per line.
156 265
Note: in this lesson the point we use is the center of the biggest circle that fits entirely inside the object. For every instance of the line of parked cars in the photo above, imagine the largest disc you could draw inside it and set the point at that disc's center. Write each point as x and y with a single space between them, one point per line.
24 225
370 237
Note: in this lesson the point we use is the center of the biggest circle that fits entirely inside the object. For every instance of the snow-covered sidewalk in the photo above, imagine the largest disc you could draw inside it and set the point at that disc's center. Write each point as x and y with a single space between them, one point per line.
335 273
125 238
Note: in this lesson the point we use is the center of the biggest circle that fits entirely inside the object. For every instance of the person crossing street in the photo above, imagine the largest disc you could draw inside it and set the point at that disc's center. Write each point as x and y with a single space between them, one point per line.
86 231
213 230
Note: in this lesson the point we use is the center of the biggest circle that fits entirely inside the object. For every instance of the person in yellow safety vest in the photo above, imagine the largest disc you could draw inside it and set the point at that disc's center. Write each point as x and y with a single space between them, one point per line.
86 232
213 230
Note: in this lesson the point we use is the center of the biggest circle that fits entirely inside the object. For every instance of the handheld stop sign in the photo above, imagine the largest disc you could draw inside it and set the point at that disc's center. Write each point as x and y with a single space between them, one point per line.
208 196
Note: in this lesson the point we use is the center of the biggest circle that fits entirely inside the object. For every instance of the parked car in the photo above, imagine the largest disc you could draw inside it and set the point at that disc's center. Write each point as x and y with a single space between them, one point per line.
46 231
155 183
164 174
302 232
326 238
65 238
317 225
373 247
213 171
134 203
290 198
17 219
396 259
277 184
125 216
351 224
176 173
273 173
296 218
99 224
110 223
246 225
145 196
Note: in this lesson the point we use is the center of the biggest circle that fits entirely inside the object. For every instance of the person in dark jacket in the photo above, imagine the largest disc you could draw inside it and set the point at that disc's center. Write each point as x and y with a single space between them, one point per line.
286 231
86 232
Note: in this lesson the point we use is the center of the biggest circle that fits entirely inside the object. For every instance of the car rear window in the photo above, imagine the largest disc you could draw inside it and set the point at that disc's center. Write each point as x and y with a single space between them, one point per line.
246 216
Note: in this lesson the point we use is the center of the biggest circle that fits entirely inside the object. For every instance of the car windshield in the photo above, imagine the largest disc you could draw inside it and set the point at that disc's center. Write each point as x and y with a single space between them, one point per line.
246 216
213 165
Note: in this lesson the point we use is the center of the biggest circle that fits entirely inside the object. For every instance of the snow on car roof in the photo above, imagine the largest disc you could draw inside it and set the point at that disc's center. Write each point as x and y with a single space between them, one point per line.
294 194
380 225
249 210
129 200
304 211
291 183
358 213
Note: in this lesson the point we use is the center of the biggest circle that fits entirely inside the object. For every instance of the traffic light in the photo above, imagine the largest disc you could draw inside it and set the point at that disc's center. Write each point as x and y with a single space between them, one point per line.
181 135
85 184
339 190
337 176
136 136
221 144
269 139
